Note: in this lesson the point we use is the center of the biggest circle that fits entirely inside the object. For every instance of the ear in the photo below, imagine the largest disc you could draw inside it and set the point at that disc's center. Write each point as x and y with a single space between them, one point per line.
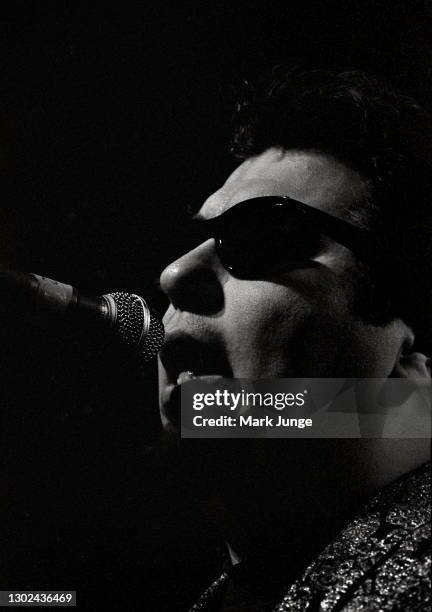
409 362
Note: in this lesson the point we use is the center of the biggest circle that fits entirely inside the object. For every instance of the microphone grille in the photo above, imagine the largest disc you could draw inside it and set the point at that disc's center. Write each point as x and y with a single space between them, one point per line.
135 326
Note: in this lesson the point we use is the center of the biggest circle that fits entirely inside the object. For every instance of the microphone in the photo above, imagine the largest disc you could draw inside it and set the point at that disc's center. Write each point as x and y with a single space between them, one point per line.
125 315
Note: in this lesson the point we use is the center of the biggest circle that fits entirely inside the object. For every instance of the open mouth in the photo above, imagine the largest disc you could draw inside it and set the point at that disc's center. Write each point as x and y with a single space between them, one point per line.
185 357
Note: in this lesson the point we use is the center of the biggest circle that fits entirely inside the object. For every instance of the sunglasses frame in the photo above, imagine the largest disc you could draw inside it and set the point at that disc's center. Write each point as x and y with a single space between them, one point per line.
357 240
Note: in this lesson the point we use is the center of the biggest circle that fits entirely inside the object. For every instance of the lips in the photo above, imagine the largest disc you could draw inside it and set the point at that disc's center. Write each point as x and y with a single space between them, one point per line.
185 357
185 377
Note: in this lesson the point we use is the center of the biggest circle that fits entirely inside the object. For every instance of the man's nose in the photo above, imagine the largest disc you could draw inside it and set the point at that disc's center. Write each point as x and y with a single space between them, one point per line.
194 282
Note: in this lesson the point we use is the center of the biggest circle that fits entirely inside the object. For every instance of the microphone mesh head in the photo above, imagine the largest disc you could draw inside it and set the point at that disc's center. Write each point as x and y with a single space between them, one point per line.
135 326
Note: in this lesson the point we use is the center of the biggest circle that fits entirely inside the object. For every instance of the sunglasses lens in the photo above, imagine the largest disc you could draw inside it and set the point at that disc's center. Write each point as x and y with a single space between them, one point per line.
267 246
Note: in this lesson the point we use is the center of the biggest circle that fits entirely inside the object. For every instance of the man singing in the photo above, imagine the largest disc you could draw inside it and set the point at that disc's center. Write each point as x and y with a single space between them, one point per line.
316 263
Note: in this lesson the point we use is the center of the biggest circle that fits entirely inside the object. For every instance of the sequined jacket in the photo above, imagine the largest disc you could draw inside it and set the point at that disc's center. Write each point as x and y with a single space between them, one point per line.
380 562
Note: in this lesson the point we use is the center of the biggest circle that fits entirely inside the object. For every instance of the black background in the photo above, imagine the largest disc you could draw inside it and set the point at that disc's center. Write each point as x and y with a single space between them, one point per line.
113 120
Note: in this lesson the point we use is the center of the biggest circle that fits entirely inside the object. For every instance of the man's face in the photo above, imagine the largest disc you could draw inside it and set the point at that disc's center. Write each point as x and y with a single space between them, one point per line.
298 323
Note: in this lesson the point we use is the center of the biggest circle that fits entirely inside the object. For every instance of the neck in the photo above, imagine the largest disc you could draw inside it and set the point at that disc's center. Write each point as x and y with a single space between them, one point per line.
286 513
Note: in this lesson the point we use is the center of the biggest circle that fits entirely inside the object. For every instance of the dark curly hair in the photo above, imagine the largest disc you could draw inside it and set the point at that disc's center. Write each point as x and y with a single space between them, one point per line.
386 137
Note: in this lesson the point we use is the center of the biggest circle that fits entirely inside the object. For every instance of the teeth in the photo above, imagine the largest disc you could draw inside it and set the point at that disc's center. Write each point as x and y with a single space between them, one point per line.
185 376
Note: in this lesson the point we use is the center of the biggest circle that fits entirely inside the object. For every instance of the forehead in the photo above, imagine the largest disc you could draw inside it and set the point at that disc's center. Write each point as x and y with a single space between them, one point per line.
313 178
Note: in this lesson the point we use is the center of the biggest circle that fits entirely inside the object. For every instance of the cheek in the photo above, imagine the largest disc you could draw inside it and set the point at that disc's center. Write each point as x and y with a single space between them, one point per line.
261 323
281 330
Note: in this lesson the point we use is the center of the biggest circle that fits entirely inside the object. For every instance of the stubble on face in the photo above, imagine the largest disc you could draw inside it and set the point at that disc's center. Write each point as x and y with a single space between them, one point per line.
297 323
307 307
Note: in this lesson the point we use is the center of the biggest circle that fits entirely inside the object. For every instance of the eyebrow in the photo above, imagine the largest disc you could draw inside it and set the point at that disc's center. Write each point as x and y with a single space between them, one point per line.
199 217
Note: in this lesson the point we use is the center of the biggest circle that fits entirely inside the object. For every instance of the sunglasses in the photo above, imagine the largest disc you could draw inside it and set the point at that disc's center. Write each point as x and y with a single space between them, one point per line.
260 236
